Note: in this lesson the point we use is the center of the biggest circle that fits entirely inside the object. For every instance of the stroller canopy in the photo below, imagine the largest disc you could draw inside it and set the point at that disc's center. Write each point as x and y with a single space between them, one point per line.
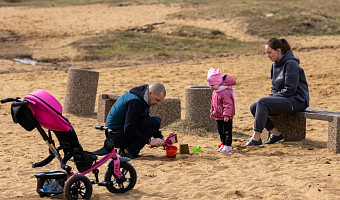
47 110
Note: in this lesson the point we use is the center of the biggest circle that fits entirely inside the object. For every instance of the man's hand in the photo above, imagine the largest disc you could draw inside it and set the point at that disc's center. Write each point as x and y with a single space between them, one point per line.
156 142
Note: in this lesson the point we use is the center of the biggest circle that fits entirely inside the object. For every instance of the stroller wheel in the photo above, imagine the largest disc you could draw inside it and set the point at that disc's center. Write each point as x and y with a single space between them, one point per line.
125 183
78 187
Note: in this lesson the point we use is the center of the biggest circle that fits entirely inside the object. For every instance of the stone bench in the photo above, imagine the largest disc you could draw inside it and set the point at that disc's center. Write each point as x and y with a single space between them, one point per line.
169 109
105 102
293 127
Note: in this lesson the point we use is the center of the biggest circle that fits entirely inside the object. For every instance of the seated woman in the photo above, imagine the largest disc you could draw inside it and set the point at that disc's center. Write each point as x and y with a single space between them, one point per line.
289 91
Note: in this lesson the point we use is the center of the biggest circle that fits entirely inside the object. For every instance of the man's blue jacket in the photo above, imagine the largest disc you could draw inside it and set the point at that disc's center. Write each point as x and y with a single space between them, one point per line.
128 110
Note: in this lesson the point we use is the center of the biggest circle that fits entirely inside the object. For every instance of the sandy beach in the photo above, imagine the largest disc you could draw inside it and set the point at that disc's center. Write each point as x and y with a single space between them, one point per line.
290 170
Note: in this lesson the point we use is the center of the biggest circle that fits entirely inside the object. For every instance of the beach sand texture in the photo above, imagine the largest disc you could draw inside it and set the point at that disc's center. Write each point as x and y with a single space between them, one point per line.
290 170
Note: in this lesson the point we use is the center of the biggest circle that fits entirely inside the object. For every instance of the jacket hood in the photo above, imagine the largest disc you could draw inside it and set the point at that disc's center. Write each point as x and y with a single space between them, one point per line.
287 56
228 80
141 92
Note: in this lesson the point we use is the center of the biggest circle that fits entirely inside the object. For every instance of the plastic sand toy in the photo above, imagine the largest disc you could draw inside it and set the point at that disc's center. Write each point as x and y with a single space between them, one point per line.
197 149
171 151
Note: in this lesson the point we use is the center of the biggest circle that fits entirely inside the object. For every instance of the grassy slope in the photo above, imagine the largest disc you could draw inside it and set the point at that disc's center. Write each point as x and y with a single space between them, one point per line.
264 18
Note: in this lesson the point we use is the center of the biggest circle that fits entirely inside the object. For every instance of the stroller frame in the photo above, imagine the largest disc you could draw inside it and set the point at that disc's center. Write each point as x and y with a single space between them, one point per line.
120 175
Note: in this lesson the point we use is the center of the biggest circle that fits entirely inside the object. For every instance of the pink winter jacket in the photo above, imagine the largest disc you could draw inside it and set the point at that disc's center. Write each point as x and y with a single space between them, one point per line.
222 102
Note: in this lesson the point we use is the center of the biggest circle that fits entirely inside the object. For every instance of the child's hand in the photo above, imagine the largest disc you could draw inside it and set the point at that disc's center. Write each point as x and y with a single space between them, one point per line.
226 119
211 115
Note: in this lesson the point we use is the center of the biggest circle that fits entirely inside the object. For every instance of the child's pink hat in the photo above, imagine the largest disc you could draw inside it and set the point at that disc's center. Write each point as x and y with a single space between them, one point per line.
214 77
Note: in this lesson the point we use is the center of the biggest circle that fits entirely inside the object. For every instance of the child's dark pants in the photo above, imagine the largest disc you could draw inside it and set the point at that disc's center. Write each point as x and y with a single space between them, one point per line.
225 129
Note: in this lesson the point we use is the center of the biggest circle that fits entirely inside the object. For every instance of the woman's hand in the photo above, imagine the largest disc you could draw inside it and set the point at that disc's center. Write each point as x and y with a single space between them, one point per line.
226 119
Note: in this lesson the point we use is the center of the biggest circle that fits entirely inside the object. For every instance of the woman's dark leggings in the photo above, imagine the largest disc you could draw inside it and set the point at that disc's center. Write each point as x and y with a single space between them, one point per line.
268 106
225 129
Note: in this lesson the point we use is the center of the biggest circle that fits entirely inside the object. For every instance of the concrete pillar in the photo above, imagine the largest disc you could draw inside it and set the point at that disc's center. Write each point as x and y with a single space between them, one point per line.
81 91
197 106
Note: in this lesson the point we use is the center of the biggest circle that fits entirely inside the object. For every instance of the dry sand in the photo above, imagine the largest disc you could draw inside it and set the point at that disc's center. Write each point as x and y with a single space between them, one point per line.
289 170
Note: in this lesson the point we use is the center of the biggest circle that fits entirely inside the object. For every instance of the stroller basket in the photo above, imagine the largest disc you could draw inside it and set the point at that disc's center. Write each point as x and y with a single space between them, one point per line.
50 182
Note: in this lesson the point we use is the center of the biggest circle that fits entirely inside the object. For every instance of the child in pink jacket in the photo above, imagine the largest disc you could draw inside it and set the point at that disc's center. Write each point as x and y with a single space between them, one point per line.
222 106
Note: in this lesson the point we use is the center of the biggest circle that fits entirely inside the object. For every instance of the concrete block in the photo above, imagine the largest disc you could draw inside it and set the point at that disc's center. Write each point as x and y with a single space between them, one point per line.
105 102
169 111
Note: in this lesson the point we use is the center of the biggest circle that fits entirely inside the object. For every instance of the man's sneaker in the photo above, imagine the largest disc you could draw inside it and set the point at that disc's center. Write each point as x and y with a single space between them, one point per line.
273 139
252 142
126 153
119 151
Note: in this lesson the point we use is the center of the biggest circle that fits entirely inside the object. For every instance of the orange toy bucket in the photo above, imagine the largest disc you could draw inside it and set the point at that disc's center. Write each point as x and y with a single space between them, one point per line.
171 151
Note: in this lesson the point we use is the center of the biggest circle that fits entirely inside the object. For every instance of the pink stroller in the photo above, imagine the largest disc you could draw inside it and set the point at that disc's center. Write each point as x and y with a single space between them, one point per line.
41 110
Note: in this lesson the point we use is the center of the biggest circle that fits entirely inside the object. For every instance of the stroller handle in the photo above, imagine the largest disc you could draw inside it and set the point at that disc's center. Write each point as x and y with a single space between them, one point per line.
101 127
19 102
108 131
17 99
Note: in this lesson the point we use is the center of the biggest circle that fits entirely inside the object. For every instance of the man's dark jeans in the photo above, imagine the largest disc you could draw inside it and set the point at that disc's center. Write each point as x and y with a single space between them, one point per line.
148 126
